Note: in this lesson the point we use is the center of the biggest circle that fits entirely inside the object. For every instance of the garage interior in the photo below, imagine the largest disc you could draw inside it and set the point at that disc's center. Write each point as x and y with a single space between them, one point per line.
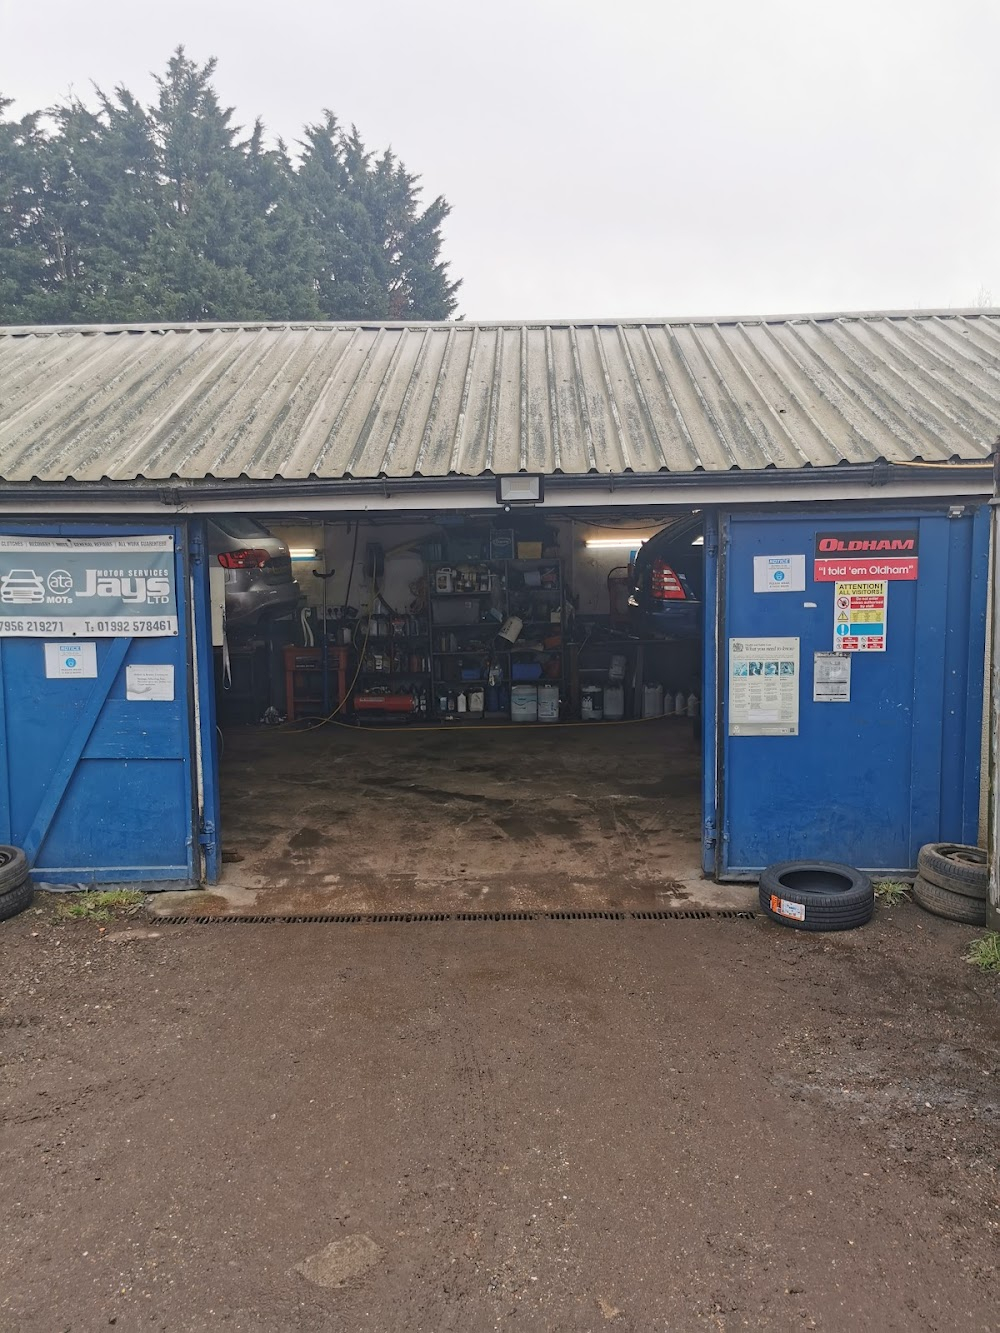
464 712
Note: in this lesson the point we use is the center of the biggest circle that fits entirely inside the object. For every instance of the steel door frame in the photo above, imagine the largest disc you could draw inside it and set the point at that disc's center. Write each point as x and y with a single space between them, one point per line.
203 712
711 700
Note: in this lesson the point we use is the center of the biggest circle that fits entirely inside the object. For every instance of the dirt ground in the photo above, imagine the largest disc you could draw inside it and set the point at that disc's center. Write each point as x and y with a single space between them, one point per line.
506 818
587 1125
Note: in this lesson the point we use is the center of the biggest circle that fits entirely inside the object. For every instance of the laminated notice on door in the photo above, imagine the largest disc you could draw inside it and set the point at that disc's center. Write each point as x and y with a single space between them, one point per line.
859 617
763 687
831 678
149 684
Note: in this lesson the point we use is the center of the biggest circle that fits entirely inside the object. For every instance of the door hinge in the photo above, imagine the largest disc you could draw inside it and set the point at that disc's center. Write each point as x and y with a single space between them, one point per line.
196 548
206 836
709 833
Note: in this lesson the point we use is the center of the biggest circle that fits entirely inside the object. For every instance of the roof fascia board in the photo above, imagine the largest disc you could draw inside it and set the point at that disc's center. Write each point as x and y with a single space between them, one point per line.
867 484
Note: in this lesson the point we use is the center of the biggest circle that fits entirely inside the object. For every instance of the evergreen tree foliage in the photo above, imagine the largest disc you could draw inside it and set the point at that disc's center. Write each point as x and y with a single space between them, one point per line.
121 212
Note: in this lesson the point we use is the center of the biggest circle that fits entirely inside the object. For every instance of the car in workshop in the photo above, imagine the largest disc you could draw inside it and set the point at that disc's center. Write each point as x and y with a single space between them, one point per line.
668 582
259 582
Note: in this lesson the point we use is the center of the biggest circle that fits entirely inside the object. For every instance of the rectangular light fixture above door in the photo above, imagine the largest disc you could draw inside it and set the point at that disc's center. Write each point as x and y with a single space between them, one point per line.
520 489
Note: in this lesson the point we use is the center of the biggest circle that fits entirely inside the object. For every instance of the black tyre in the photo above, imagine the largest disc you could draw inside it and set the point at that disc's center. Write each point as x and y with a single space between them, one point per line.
955 867
15 900
816 895
13 868
952 906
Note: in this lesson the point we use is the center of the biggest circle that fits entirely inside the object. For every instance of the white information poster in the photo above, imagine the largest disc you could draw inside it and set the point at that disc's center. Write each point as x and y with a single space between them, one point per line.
831 678
154 684
71 661
763 687
779 573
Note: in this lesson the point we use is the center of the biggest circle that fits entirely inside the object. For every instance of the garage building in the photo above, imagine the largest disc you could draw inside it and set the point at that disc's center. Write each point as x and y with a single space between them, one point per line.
459 703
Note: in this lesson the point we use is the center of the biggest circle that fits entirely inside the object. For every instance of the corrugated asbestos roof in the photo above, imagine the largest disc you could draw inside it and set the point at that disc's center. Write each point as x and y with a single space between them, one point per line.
436 400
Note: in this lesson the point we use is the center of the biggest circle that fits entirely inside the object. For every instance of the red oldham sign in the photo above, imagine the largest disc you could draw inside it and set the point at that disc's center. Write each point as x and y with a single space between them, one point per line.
865 555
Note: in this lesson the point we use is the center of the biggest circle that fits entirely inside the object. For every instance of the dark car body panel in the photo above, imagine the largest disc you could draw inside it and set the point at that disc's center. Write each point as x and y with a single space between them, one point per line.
651 617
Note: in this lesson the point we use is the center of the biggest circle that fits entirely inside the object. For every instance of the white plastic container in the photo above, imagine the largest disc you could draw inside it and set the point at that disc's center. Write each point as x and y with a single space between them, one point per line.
592 703
461 703
524 703
652 701
476 701
693 705
548 703
680 703
668 703
614 703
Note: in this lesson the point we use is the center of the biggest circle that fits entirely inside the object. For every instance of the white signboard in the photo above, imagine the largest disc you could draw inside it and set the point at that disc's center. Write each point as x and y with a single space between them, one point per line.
91 587
779 573
71 661
831 678
153 684
763 687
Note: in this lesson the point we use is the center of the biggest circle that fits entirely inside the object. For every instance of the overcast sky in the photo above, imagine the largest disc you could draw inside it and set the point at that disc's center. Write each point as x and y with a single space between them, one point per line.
618 157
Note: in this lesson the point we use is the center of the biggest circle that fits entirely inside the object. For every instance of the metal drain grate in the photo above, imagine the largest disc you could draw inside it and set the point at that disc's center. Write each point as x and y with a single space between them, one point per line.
407 918
672 916
426 918
585 916
498 916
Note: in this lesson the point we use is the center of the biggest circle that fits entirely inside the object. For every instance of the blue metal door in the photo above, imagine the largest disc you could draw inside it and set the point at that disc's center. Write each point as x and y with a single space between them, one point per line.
97 786
869 780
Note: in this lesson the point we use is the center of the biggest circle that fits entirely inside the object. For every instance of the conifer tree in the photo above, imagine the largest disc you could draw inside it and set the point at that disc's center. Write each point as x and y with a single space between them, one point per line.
118 212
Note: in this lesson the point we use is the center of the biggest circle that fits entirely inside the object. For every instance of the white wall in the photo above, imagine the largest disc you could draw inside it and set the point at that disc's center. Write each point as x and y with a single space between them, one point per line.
586 569
402 567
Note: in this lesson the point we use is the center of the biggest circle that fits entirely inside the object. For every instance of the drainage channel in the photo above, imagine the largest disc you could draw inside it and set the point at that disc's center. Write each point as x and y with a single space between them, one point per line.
433 918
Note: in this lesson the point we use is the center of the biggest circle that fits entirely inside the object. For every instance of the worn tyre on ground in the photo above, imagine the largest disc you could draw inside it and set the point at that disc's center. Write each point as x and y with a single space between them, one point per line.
955 867
816 895
953 906
13 868
16 899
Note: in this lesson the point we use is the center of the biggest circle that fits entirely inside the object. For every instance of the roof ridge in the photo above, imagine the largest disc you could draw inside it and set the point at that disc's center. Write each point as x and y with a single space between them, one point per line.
632 321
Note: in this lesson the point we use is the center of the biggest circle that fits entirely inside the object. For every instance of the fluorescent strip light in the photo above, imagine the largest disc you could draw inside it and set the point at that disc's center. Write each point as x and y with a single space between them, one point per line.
698 541
610 543
302 552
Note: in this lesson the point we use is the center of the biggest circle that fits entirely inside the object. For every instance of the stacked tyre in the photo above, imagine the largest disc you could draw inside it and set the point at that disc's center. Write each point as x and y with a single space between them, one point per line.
15 884
953 881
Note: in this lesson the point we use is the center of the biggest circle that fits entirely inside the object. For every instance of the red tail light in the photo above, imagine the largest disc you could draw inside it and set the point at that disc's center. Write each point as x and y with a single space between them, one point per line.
664 583
251 558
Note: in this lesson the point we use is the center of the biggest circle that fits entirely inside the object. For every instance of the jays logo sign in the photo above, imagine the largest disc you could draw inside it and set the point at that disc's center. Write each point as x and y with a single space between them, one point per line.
55 587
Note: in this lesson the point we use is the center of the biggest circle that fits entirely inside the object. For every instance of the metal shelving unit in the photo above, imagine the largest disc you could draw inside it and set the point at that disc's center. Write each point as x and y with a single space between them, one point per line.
383 675
512 591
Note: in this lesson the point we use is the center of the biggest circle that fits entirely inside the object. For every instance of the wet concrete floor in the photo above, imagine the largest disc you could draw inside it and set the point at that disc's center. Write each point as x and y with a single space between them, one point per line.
341 819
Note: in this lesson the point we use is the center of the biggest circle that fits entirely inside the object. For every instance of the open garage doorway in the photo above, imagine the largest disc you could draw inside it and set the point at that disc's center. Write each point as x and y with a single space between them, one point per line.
458 712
